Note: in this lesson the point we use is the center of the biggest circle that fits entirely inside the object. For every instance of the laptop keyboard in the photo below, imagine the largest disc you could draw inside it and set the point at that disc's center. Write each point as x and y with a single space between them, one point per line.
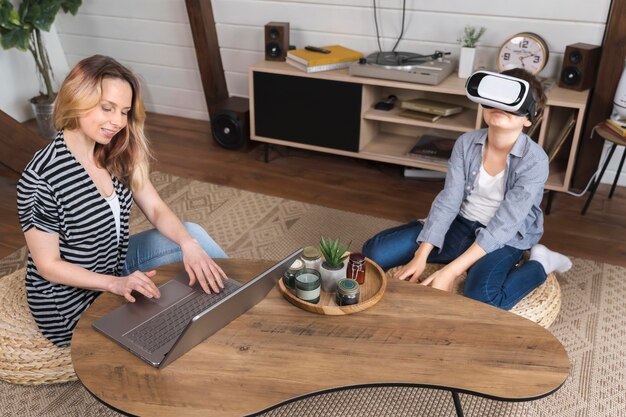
167 325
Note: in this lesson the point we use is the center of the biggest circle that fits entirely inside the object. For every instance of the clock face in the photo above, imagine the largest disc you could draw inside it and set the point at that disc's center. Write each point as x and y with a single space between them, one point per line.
524 50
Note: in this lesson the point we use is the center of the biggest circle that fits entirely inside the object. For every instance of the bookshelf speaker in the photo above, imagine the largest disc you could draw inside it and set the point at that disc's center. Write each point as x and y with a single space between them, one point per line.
230 123
580 63
276 41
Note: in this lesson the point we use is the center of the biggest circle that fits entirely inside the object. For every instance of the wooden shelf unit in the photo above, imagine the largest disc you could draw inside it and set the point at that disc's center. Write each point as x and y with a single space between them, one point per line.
386 136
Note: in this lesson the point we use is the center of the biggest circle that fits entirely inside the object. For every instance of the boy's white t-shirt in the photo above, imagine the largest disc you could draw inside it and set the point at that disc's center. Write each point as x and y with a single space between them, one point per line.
114 202
485 198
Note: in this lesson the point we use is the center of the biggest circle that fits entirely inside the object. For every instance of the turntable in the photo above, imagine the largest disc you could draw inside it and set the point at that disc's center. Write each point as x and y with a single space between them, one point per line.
405 66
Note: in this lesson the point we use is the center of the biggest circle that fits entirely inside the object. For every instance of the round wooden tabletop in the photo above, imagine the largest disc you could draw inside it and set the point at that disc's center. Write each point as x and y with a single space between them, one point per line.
277 352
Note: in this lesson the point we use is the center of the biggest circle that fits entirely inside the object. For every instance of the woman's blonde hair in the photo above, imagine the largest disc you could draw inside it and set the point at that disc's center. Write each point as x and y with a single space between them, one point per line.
127 155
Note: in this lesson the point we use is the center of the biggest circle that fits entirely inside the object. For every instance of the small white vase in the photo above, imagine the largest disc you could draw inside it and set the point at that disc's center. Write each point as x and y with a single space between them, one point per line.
466 62
331 276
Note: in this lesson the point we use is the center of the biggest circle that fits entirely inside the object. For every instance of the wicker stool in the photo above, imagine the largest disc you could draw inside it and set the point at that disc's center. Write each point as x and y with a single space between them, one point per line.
26 356
541 305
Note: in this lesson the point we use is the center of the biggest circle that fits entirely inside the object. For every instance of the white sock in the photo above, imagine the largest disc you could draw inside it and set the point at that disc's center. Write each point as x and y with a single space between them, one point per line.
551 261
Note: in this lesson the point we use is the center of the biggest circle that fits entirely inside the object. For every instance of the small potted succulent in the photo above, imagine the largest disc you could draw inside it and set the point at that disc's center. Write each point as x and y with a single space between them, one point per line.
471 36
333 266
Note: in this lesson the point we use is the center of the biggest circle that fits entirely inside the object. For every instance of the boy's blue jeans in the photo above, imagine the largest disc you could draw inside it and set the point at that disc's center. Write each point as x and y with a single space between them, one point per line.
150 249
494 279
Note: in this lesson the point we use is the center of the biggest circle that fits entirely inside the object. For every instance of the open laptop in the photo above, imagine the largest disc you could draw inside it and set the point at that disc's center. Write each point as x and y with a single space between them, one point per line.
160 331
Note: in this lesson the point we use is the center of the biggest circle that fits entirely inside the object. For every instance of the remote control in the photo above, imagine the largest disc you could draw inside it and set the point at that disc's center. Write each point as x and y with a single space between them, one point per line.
316 49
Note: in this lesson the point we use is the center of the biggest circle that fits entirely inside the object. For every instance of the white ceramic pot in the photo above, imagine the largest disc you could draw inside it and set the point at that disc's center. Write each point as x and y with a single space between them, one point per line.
331 276
466 62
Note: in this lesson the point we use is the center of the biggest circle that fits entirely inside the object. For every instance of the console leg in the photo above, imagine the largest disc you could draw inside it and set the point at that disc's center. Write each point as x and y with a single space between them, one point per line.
457 403
549 202
266 150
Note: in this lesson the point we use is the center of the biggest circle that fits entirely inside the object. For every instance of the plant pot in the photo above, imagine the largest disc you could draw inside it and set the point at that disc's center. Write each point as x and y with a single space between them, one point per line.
331 276
43 114
466 62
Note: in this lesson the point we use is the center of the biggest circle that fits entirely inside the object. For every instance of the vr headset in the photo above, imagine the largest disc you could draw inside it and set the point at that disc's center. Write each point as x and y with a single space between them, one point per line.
502 92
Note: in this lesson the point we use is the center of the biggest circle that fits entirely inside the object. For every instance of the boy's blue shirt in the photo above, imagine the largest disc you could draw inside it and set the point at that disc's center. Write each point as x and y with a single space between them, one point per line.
518 222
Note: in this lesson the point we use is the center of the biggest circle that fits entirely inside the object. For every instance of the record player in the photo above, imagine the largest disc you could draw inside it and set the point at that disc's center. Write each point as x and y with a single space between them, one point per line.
405 66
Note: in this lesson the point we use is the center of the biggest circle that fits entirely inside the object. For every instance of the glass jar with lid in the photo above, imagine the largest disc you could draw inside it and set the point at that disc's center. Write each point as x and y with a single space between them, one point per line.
356 268
348 292
312 257
289 277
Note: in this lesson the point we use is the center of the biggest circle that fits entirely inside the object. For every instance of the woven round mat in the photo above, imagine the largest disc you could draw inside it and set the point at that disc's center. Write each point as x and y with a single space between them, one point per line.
26 356
541 305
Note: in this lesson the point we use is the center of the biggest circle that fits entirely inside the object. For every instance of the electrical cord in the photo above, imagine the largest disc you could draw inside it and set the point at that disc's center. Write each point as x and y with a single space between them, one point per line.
380 49
595 174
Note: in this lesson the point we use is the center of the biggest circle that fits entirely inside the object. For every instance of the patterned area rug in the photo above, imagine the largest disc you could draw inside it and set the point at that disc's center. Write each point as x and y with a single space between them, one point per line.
250 225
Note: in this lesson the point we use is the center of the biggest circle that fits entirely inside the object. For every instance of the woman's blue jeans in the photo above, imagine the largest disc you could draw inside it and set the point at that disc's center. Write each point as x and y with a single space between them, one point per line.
150 249
494 279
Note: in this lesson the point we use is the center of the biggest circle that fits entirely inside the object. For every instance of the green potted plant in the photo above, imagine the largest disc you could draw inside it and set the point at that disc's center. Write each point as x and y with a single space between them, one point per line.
471 36
21 29
333 266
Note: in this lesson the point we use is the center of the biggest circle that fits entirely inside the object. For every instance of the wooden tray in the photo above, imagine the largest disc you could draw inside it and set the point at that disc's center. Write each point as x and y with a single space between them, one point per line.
371 291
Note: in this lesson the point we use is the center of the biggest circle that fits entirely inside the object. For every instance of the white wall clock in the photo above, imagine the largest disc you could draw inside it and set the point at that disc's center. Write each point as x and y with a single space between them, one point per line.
524 50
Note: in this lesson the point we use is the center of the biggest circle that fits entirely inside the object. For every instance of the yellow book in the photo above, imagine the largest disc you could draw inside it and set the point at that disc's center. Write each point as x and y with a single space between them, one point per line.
337 54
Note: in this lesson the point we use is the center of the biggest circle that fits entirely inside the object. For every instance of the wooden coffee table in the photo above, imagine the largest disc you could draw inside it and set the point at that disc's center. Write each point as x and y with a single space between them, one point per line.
277 352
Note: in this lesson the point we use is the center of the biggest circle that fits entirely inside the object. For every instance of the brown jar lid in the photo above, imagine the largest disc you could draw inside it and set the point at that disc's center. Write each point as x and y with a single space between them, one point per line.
311 253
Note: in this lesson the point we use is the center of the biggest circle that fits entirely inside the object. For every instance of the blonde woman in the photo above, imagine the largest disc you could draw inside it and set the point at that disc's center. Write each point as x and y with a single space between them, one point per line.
74 200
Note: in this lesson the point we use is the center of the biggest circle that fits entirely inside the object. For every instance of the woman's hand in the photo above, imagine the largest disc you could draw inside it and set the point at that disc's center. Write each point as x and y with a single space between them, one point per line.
138 281
201 267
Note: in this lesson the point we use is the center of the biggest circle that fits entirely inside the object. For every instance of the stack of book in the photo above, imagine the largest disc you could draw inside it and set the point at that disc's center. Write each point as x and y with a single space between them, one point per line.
432 147
428 110
310 61
617 127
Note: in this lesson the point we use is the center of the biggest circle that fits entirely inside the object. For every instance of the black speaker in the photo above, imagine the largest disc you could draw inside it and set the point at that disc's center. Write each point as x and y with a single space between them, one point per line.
580 63
276 41
230 123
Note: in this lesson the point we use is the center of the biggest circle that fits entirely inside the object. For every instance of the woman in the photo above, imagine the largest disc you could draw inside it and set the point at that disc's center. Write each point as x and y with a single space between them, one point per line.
487 215
75 197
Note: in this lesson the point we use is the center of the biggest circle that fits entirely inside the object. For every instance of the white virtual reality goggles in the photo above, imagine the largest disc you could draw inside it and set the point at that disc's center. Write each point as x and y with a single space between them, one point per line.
503 92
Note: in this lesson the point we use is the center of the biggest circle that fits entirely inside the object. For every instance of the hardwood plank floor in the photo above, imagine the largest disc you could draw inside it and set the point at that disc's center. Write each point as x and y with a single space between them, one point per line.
185 147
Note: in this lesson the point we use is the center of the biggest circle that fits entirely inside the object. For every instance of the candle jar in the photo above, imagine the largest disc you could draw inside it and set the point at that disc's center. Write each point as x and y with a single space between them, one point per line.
356 268
289 277
308 285
312 257
348 292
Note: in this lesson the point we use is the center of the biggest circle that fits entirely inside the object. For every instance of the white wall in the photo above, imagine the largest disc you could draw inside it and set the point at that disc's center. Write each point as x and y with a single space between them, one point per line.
19 80
154 39
153 36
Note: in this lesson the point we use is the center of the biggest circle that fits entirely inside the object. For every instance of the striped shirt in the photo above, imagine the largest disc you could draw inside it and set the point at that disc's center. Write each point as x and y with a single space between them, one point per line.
56 195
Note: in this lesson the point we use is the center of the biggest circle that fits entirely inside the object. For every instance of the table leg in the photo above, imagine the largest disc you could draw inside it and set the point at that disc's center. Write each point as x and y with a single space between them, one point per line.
597 181
457 403
617 174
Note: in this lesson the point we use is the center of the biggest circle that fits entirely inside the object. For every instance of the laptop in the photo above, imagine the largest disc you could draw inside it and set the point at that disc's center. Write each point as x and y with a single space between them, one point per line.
160 331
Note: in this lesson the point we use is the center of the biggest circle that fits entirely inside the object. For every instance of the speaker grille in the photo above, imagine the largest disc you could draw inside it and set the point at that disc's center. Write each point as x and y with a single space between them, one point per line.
571 75
228 129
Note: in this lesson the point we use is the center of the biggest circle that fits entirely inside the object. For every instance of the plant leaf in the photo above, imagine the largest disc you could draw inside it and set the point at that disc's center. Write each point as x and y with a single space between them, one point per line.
70 6
15 38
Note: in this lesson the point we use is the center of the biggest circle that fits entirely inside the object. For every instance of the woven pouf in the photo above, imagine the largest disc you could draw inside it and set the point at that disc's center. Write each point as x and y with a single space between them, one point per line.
26 356
541 305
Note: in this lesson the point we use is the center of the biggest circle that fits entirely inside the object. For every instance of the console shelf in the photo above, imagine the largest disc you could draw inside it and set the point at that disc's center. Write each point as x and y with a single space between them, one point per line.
334 112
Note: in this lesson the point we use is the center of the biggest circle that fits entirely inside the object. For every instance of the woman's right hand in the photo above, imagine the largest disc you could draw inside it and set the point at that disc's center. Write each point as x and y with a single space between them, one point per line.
138 281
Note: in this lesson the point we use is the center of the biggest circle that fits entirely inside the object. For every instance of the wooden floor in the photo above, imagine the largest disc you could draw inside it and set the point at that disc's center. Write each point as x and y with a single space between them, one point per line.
184 147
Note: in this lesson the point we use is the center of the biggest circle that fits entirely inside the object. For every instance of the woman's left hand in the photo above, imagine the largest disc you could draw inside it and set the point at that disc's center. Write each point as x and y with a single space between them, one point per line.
441 279
201 267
